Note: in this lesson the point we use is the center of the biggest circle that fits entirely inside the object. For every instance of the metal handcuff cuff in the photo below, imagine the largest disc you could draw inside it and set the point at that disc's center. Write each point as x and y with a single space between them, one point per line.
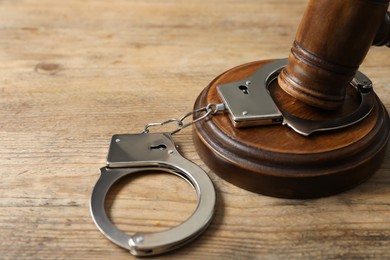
242 99
131 153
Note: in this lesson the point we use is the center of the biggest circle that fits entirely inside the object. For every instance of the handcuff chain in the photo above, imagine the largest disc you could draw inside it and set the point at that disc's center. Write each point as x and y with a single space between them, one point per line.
209 110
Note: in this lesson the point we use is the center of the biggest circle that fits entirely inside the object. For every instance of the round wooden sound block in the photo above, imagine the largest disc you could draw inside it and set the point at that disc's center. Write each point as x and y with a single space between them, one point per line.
276 161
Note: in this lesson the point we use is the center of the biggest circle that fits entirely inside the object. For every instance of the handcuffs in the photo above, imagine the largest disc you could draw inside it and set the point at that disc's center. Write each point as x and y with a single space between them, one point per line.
133 153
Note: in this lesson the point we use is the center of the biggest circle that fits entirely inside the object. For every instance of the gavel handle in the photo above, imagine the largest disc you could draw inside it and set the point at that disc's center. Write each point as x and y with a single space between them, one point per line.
383 35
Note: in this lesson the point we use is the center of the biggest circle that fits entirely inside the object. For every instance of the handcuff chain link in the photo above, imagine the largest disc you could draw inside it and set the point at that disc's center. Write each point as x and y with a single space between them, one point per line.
209 110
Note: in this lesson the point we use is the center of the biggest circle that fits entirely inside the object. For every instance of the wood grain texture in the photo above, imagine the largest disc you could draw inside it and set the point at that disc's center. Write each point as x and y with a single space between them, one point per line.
75 72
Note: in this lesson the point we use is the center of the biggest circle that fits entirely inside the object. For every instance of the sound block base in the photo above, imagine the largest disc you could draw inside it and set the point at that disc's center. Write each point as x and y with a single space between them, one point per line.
276 161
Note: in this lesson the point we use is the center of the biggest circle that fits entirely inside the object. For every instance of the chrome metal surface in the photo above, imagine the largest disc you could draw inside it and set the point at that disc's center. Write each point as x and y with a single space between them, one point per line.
209 110
250 104
367 101
131 153
248 100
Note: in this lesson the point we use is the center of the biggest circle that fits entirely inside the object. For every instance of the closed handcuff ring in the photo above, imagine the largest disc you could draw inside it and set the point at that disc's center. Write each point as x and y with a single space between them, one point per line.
242 99
133 153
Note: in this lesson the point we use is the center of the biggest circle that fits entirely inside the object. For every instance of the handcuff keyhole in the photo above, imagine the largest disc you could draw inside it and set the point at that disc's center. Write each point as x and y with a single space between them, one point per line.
158 147
244 89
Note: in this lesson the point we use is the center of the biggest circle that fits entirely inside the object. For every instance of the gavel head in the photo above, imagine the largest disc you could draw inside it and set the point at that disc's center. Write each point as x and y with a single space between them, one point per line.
331 43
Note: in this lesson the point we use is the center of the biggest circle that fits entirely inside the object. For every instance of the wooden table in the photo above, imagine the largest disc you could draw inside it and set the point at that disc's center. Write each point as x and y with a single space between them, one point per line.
75 72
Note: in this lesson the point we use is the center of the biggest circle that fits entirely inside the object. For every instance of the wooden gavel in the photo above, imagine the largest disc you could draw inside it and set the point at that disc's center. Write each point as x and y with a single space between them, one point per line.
330 45
321 79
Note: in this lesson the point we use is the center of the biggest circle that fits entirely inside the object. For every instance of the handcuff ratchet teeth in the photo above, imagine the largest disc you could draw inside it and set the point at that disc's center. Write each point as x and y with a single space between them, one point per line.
132 153
250 104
